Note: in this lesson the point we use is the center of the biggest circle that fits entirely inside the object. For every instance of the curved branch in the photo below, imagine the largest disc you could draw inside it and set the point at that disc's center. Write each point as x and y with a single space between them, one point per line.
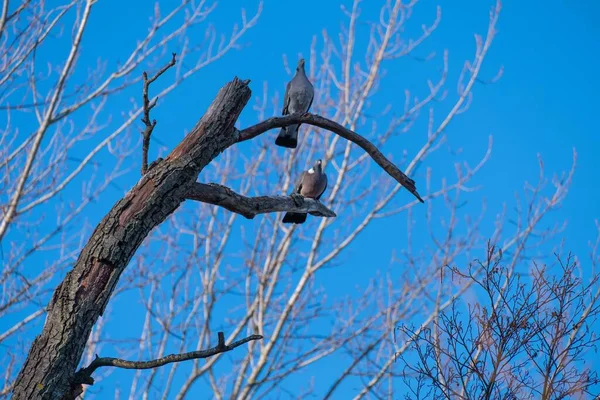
332 126
84 375
249 207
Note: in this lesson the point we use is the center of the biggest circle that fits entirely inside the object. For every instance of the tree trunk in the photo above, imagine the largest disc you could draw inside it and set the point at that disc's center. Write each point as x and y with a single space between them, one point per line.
84 293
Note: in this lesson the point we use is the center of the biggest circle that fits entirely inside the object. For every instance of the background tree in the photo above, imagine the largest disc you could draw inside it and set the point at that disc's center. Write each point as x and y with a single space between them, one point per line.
205 269
528 338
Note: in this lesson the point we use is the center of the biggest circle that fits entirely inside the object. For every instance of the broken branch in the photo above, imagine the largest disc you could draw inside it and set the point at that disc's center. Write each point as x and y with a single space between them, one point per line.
249 207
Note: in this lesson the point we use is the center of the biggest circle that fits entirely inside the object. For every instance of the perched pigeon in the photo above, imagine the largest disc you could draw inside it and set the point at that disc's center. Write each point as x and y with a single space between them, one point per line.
298 98
312 184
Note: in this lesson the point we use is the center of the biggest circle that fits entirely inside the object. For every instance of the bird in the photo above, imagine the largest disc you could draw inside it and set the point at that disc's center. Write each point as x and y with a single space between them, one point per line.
298 98
312 184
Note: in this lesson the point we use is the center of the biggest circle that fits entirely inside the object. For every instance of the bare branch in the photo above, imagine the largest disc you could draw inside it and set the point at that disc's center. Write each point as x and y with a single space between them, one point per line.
84 375
39 135
149 105
332 126
249 207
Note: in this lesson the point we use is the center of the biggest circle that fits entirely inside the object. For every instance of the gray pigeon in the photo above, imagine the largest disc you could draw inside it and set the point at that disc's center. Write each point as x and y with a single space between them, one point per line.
312 185
298 98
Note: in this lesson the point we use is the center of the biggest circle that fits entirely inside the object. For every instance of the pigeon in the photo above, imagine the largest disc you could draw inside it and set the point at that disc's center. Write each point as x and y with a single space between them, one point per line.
298 98
312 185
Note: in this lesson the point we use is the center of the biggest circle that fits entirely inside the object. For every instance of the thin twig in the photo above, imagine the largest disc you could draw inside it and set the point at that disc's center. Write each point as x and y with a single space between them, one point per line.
149 105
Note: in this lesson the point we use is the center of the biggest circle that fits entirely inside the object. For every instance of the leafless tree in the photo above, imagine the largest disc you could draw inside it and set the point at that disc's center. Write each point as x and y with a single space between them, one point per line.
527 338
50 115
196 269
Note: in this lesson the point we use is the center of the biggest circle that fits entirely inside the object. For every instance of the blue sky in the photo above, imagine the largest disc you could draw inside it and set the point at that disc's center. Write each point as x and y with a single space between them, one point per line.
546 101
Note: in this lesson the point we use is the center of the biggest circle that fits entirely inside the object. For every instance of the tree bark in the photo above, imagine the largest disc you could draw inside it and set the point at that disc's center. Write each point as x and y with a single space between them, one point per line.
84 293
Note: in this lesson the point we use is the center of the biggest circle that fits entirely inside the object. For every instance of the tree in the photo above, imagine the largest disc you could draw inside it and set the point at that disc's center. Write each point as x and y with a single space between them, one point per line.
526 339
184 270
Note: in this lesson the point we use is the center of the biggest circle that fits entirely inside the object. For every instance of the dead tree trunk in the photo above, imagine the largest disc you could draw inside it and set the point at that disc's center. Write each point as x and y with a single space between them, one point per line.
84 293
50 369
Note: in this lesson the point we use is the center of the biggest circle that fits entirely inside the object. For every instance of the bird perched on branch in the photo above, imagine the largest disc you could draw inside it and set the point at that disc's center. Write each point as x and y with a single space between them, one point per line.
312 184
298 98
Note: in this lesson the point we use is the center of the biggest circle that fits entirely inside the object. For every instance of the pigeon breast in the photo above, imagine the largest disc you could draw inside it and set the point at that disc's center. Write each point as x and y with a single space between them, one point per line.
313 185
301 93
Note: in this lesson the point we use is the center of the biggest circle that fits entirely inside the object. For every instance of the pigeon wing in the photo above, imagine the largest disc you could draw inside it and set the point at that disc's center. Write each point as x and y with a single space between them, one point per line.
298 188
286 99
324 187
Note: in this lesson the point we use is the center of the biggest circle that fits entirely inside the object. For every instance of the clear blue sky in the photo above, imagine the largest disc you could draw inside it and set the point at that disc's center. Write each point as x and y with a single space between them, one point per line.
546 102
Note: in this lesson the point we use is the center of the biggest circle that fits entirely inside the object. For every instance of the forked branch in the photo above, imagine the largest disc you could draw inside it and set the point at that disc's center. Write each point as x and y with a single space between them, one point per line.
332 126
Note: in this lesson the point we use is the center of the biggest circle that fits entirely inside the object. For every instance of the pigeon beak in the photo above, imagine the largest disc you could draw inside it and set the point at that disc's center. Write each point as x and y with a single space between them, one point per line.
301 63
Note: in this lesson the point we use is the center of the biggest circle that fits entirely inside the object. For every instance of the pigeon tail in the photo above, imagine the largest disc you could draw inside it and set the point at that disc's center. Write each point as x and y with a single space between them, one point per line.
288 137
294 218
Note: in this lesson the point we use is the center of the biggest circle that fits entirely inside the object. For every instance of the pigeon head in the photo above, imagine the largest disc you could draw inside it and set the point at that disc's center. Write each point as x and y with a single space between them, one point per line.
318 166
300 65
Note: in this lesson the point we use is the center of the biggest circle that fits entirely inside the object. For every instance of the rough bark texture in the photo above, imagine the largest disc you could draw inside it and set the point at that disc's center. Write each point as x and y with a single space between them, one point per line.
84 293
